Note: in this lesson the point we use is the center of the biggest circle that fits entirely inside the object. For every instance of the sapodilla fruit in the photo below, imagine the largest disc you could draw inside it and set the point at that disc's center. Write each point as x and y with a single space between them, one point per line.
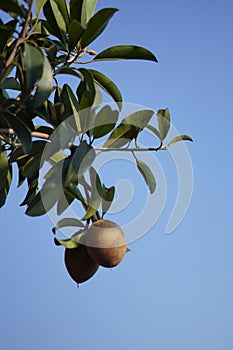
79 264
106 243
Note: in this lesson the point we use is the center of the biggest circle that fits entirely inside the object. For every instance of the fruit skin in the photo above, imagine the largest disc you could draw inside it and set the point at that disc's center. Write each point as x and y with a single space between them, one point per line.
79 264
106 243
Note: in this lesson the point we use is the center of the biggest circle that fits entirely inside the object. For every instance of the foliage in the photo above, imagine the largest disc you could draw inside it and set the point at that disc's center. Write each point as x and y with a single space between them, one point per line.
40 42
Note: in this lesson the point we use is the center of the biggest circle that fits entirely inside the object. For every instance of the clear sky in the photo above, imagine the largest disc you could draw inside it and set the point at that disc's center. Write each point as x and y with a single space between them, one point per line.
171 291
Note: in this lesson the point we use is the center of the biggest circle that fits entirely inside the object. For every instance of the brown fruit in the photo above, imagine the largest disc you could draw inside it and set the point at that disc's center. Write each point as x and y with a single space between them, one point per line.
106 243
79 264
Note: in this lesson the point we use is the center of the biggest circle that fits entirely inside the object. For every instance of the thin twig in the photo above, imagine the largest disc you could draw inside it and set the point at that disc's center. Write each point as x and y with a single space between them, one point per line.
19 41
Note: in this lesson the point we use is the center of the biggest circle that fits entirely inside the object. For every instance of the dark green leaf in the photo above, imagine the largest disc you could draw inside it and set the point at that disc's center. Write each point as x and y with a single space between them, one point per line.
70 71
86 89
180 138
96 25
75 33
128 52
31 168
62 5
163 116
105 121
108 86
39 6
5 190
72 190
81 160
129 128
107 198
32 191
45 85
21 130
96 194
154 130
3 167
10 83
55 23
33 63
76 10
147 175
67 222
44 200
11 6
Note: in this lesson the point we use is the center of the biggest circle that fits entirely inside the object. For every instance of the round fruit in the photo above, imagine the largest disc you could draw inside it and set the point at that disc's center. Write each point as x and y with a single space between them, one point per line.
106 243
79 264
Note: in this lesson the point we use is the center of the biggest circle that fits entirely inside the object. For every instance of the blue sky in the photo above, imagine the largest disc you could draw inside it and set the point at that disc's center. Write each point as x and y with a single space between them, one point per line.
171 291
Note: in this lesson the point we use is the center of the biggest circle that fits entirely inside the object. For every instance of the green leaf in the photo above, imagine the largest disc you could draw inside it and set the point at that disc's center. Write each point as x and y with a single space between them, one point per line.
96 194
96 25
10 83
39 6
107 198
105 121
147 175
108 86
154 130
11 6
129 128
31 168
33 64
76 10
44 200
55 22
5 190
45 85
75 33
70 71
68 243
180 138
127 52
63 8
32 191
72 190
86 90
163 116
21 130
67 222
88 9
3 167
82 10
81 160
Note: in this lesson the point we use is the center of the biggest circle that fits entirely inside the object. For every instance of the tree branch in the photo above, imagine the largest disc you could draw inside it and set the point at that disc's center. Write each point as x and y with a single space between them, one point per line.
18 42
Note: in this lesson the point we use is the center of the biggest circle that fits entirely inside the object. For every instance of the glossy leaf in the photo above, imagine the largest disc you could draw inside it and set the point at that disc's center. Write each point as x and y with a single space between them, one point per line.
96 194
88 9
55 23
67 222
3 166
21 130
86 90
33 62
10 83
72 190
96 25
5 190
129 128
105 121
107 198
63 8
147 175
75 33
31 168
32 191
127 52
163 116
180 138
43 201
76 10
45 85
154 130
68 243
108 86
39 6
81 160
70 71
11 6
